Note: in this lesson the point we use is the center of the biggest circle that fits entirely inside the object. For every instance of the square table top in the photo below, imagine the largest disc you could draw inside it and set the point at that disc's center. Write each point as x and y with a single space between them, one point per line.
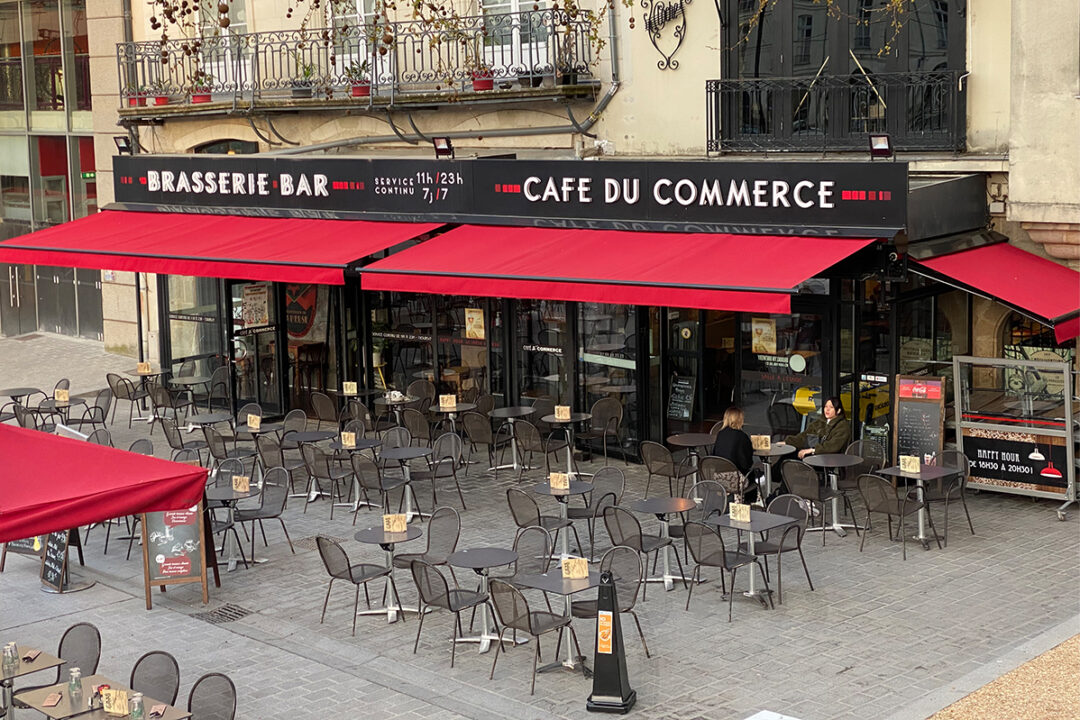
44 661
926 472
554 582
64 709
759 521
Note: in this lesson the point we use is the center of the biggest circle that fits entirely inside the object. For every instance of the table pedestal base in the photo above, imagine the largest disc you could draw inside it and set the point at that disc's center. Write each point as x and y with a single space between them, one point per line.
576 664
485 640
391 612
72 583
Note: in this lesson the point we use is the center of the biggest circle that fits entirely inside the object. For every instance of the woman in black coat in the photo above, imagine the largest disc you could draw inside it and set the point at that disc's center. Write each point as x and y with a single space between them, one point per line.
732 443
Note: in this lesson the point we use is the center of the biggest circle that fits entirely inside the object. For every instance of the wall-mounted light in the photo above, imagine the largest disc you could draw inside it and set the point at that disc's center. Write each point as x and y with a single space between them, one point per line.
443 147
880 146
123 144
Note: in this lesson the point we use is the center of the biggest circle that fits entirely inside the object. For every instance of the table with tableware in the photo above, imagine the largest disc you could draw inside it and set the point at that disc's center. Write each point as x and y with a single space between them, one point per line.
662 508
831 464
760 522
451 412
21 665
567 425
397 405
79 706
403 455
387 541
927 473
228 498
511 415
554 582
562 496
775 450
480 560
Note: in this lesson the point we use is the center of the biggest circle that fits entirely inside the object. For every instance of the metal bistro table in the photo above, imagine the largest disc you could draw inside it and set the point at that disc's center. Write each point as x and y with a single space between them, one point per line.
360 445
481 560
43 661
759 522
190 382
302 437
387 541
830 463
229 497
926 473
209 418
403 455
662 507
554 582
692 441
510 415
18 392
396 406
452 412
568 428
77 707
53 405
776 450
563 496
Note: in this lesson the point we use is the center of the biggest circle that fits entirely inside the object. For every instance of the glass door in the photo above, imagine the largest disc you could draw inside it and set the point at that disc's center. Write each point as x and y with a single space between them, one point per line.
682 392
255 351
18 308
543 346
608 357
468 334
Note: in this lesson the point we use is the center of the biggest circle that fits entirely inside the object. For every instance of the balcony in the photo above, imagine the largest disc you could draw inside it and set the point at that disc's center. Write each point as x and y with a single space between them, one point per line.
511 57
921 111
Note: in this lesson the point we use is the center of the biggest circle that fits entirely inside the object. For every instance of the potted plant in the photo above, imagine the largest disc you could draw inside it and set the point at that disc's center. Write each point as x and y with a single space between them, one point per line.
482 77
304 79
566 69
359 78
159 90
201 84
136 95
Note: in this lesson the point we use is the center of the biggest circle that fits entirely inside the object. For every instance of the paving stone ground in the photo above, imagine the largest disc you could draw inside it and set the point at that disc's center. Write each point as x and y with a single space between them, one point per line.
877 638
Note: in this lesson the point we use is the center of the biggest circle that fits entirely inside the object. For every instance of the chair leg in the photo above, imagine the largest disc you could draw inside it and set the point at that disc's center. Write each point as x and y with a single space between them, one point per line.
731 594
866 531
453 640
327 600
805 570
397 599
768 591
578 540
421 629
678 563
903 535
284 530
963 502
356 608
930 518
780 573
495 660
640 633
536 656
693 581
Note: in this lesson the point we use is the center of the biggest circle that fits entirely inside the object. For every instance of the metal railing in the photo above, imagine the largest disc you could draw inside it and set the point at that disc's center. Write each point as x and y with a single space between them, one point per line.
401 58
919 110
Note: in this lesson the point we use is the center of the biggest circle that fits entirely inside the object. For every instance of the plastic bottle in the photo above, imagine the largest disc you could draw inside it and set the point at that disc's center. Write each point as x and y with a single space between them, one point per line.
136 706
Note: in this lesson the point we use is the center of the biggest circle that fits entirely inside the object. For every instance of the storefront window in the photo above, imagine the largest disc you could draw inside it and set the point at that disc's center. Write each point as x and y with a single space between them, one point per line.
50 180
401 338
781 371
254 326
194 329
12 104
44 45
607 351
542 339
84 184
466 327
14 187
77 50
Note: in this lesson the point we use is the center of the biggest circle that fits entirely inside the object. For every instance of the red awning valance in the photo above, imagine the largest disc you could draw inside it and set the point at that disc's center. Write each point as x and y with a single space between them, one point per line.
710 271
1033 285
50 483
227 246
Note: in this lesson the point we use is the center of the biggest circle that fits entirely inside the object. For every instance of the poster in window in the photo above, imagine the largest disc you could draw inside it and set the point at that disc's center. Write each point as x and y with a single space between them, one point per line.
256 306
305 312
474 323
1037 385
764 336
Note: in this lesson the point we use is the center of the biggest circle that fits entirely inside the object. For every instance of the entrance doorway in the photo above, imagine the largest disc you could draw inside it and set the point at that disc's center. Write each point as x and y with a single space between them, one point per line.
18 299
254 345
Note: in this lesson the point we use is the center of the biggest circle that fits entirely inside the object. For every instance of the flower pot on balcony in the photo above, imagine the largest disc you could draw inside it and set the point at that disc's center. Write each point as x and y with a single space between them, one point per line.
301 90
161 99
567 77
200 97
137 101
361 90
482 80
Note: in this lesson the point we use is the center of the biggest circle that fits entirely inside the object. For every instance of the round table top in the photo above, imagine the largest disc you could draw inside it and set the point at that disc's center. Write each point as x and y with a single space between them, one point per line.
263 428
776 450
227 494
512 412
17 392
409 452
153 373
310 436
209 418
460 407
832 460
574 417
691 439
191 380
362 392
387 401
481 558
361 444
378 536
576 488
662 505
53 403
622 389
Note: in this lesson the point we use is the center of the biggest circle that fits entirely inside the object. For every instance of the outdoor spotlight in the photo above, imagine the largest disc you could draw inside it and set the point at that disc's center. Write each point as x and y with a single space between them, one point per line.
443 147
123 144
880 146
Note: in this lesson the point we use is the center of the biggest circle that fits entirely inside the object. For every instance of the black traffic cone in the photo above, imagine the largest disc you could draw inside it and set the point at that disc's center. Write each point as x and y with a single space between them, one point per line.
611 692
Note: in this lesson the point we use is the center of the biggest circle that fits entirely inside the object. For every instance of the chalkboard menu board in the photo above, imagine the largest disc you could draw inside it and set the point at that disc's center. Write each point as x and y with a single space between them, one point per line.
54 560
27 546
681 400
919 417
173 549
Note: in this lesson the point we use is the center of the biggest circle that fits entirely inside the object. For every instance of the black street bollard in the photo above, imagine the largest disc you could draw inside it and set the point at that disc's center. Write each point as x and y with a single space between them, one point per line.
611 692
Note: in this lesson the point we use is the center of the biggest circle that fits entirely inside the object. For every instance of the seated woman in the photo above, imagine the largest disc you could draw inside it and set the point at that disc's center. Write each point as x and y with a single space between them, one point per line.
831 434
734 444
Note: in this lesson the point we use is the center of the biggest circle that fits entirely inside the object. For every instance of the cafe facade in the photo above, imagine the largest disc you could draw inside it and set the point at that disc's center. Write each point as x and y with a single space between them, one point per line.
678 288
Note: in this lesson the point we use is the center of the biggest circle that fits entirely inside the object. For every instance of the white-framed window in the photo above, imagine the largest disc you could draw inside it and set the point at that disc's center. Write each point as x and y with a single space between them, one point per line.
516 35
224 55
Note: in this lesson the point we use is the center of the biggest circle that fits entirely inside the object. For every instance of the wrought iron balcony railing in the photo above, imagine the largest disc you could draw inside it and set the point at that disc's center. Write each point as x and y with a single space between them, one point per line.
397 58
919 110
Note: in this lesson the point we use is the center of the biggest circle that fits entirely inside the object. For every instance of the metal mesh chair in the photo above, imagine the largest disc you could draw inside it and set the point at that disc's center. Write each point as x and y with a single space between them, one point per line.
421 389
624 529
101 436
156 674
872 455
708 550
242 418
97 413
803 481
142 446
526 513
513 613
950 488
272 456
165 405
710 498
606 421
787 539
880 496
443 532
659 462
220 388
628 573
124 389
372 423
80 646
220 452
295 421
176 440
529 441
478 430
723 472
271 505
322 471
447 457
325 410
417 424
213 697
338 567
485 404
784 420
607 481
434 591
371 479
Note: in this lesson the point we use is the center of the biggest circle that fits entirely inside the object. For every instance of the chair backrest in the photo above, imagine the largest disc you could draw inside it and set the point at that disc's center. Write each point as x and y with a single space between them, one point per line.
421 389
275 491
24 417
609 479
317 460
623 528
784 419
717 427
416 423
295 421
878 494
269 450
542 407
325 408
397 437
477 427
485 403
366 471
872 454
99 411
187 369
61 384
469 395
187 455
723 471
221 385
607 415
248 409
156 674
334 558
213 697
356 427
430 584
448 446
443 532
523 508
801 479
80 646
656 457
626 569
511 606
160 396
954 459
113 381
226 469
534 547
706 545
710 497
215 443
792 506
528 436
143 446
172 433
101 436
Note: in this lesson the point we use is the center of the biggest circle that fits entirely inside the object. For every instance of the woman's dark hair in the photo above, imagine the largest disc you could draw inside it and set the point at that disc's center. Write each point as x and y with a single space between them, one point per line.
835 402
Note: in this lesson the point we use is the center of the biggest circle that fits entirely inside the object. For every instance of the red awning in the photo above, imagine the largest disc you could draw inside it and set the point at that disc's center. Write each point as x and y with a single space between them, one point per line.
226 246
710 271
1031 284
50 483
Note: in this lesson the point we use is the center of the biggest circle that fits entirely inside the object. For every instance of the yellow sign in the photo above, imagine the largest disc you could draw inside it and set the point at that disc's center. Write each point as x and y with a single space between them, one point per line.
114 702
910 464
740 512
143 368
348 439
562 412
241 483
348 388
448 402
575 568
474 323
761 442
559 481
603 632
395 523
254 422
61 395
764 336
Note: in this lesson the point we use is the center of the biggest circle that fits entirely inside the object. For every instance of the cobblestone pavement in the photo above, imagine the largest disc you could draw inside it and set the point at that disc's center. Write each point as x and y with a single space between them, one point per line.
878 637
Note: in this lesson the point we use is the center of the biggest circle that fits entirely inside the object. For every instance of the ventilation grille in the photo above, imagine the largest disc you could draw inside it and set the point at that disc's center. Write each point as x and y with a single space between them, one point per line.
225 613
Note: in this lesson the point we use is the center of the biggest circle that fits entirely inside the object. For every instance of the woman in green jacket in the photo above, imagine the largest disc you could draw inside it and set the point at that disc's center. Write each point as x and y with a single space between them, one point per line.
832 434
